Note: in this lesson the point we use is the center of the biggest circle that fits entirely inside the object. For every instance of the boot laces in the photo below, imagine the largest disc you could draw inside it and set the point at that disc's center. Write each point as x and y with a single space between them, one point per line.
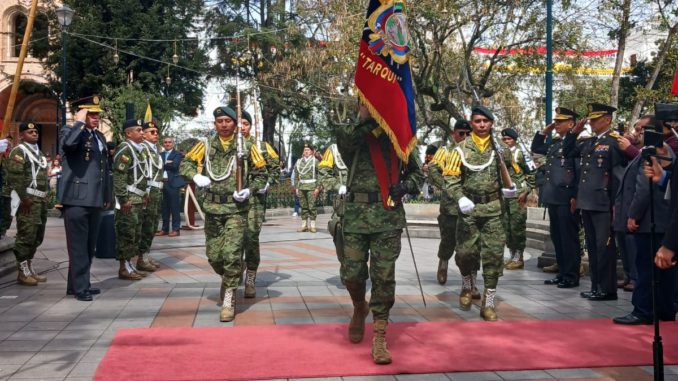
489 298
228 298
250 277
466 282
24 268
31 269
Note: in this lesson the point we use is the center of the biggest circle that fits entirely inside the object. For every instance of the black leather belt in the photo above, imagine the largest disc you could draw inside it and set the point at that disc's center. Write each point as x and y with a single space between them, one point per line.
219 198
484 199
364 198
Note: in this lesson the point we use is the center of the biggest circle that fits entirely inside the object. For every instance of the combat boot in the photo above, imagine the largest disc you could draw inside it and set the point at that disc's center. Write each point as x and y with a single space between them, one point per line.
380 353
356 328
24 276
126 272
304 226
228 306
250 279
516 263
551 269
144 264
475 294
222 292
466 294
34 274
513 256
312 229
487 308
143 274
441 275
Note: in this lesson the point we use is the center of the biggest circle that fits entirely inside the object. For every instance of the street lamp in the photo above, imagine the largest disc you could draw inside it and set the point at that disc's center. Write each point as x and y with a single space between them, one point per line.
65 17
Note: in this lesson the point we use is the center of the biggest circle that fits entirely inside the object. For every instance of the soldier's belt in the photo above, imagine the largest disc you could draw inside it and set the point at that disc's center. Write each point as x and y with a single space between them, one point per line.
483 199
155 184
219 198
36 193
136 190
365 198
312 181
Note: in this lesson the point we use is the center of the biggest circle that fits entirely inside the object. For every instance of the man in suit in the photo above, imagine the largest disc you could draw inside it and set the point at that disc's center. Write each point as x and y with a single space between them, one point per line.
171 199
84 193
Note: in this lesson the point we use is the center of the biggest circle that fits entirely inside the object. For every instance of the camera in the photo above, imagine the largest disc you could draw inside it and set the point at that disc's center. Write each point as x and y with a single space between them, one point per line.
652 138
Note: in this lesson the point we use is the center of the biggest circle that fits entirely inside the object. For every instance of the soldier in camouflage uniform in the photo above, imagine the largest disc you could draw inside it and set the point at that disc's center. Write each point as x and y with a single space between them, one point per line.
130 181
475 185
449 211
332 170
373 225
516 208
256 214
149 223
211 164
307 188
27 176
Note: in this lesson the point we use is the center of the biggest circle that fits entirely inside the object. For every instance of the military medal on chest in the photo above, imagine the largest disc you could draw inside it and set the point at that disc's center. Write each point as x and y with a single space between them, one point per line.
88 149
600 161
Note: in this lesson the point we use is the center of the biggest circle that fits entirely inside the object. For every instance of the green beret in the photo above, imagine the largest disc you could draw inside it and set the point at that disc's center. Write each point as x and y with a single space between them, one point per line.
28 126
225 111
152 124
129 123
510 132
482 110
246 115
462 124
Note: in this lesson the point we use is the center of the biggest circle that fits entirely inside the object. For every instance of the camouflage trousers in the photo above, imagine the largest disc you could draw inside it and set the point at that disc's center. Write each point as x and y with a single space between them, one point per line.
447 223
149 220
515 224
224 236
30 231
481 239
307 201
6 214
382 251
255 218
128 232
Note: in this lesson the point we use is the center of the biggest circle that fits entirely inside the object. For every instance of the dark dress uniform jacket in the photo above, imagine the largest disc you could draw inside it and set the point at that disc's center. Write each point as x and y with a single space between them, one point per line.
560 179
625 194
671 239
84 182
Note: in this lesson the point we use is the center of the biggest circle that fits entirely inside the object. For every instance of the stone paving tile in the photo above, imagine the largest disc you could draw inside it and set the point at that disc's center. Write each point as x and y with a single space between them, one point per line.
84 369
52 369
370 378
22 345
572 373
58 356
423 377
68 344
8 369
15 358
473 376
524 375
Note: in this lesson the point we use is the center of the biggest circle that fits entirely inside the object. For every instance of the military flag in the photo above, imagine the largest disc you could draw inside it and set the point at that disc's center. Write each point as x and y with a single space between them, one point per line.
383 79
674 89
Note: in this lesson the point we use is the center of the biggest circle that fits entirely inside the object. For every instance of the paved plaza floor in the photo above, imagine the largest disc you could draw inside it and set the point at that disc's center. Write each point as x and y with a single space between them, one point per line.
46 335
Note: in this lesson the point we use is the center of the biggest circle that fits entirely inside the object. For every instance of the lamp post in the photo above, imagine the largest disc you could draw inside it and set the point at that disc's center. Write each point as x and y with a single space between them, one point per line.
65 17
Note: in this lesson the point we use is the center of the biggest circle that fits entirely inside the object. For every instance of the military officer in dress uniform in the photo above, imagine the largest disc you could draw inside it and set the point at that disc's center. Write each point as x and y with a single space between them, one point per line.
558 194
602 164
27 176
225 206
85 192
474 183
307 188
373 223
256 214
149 223
449 210
523 175
130 183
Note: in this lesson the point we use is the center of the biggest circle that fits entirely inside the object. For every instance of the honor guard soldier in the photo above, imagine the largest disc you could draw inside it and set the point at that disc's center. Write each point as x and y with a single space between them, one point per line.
449 211
558 195
374 219
602 164
130 182
149 224
332 170
474 183
27 175
257 212
225 207
522 171
307 188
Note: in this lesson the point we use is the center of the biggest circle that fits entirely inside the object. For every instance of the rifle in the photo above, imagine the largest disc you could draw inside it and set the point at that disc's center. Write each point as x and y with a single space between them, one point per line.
503 171
526 154
239 139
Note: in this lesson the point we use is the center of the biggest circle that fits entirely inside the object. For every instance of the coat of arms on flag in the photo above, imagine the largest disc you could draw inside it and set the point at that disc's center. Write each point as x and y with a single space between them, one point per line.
383 79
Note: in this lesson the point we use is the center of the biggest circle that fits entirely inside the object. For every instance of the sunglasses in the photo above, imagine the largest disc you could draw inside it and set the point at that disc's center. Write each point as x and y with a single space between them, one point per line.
463 133
154 132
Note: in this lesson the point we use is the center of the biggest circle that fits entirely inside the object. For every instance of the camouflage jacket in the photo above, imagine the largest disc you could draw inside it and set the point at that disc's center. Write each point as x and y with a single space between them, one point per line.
155 167
130 173
442 160
474 174
367 218
20 165
220 166
332 170
306 173
523 177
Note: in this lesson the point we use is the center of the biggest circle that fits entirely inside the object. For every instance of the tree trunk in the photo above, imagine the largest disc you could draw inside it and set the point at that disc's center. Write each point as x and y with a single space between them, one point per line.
661 57
624 27
269 117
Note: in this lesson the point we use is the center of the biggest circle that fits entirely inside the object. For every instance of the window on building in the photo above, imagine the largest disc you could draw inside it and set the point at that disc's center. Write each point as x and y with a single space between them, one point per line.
39 45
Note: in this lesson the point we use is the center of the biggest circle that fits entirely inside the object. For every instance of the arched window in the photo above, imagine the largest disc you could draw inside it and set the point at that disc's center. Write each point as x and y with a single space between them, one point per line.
39 45
20 21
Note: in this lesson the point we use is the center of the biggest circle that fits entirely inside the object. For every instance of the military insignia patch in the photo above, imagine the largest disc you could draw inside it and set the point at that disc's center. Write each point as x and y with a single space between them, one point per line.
18 158
390 35
121 167
124 159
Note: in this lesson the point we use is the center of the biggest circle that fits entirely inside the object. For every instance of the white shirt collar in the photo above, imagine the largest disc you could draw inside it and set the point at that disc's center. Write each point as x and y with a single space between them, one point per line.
135 145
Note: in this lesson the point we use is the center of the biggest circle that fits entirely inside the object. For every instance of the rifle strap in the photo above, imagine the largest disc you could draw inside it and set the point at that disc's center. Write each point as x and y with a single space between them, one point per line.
385 181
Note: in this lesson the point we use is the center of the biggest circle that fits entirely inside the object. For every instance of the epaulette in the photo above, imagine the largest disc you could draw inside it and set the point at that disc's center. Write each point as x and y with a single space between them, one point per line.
271 152
328 159
197 153
439 157
453 165
256 157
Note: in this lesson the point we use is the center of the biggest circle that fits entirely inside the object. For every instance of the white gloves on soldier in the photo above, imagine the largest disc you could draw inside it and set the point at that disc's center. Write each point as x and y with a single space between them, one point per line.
510 192
264 189
466 206
342 190
241 196
3 145
201 181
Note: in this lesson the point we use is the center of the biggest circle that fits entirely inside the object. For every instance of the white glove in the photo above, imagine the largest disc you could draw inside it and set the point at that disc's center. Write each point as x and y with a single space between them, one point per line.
510 192
3 145
201 181
241 196
14 204
264 189
466 206
342 190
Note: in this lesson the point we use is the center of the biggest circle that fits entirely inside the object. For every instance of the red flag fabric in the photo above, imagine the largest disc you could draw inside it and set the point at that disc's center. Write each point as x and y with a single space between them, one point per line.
383 79
674 89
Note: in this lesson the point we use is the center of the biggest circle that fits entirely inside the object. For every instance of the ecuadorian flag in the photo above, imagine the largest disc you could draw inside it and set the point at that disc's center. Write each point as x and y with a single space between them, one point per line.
383 79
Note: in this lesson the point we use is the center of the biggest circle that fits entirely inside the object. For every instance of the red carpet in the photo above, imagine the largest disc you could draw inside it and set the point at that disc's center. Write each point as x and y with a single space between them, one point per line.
297 351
